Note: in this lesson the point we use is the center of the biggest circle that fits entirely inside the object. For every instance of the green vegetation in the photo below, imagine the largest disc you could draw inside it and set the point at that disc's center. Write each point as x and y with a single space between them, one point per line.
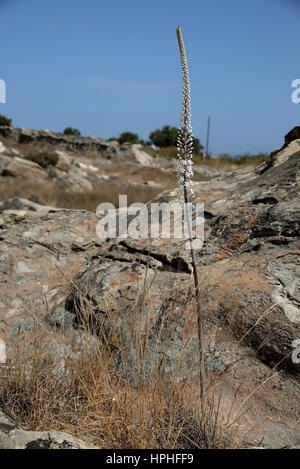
167 152
245 159
44 159
128 137
5 120
72 131
221 160
161 138
167 137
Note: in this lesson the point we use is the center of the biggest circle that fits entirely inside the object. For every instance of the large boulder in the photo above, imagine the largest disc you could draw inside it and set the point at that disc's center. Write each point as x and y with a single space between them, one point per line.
135 153
70 182
19 167
65 162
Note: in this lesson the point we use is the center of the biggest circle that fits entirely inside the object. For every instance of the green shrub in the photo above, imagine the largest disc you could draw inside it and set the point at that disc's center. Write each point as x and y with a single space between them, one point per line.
43 159
167 137
5 120
128 137
71 131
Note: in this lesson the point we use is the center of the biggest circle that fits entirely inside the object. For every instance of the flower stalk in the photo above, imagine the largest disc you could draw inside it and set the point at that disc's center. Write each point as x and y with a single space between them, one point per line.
185 172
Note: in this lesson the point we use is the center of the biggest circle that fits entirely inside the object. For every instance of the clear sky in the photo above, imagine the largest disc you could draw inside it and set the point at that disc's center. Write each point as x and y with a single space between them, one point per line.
106 67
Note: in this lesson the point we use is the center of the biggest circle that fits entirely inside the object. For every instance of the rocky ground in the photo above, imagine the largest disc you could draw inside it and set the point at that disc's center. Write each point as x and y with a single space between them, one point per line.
249 266
77 172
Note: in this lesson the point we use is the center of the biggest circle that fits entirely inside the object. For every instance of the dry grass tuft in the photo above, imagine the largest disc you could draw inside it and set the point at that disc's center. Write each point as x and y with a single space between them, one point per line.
82 390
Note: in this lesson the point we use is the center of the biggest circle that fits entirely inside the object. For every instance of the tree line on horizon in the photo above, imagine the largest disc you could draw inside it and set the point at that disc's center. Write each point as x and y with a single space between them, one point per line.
160 138
164 139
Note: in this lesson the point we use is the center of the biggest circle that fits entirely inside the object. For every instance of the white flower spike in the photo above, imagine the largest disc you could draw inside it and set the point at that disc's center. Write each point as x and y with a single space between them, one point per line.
185 137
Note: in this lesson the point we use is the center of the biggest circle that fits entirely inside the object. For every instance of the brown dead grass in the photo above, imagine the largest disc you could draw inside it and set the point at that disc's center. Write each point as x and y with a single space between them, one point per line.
48 194
84 393
127 179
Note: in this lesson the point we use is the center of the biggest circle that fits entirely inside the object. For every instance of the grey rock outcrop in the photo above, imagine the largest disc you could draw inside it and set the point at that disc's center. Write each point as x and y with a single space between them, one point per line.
135 153
293 134
249 271
17 204
19 167
60 141
12 437
73 183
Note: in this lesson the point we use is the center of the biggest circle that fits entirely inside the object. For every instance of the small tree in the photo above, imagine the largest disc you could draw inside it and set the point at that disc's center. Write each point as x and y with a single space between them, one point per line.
71 131
5 120
128 137
167 137
197 147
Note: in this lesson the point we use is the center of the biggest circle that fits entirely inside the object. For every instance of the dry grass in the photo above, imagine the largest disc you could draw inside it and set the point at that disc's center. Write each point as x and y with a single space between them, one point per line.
221 161
47 193
85 392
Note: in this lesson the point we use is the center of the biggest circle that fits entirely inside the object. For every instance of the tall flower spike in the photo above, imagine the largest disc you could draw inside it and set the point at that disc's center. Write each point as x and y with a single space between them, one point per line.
185 137
185 150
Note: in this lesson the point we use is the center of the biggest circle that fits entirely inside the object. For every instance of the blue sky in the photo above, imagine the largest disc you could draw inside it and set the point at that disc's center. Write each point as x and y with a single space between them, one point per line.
108 67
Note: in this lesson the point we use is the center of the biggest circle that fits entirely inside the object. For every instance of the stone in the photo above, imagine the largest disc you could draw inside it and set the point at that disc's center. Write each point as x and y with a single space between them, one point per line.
70 182
18 204
135 153
293 134
12 437
60 141
4 162
2 147
65 161
19 167
2 351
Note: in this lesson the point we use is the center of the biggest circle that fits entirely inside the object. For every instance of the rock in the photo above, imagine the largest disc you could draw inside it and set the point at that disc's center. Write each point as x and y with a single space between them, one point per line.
18 167
71 182
8 151
17 203
88 167
280 156
135 153
2 351
2 147
209 172
104 177
60 141
12 437
65 161
63 238
4 162
153 185
294 134
249 272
